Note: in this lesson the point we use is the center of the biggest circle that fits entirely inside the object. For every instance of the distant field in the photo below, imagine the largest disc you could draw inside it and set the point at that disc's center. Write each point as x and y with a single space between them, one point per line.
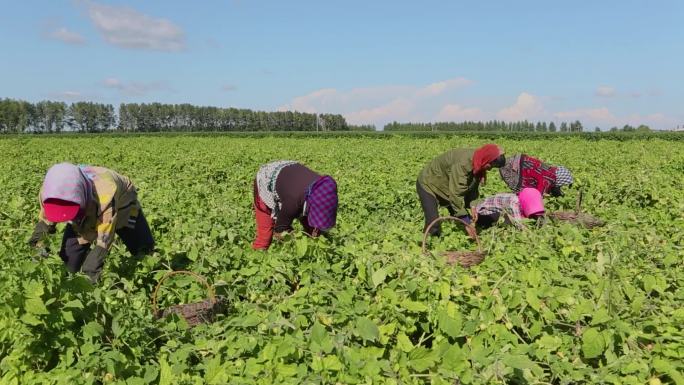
558 304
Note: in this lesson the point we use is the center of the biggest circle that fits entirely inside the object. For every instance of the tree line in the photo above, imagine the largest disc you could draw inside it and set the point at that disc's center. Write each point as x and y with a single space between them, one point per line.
18 116
502 126
493 125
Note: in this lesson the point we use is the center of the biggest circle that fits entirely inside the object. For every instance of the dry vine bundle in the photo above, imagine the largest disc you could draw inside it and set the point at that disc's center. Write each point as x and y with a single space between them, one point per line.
577 217
465 258
193 313
582 219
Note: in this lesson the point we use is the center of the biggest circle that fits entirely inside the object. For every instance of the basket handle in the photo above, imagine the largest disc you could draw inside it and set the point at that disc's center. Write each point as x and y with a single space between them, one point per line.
199 278
450 218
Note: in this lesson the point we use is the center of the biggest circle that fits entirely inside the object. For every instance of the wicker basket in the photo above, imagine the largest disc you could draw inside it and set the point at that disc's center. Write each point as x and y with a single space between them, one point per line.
464 258
193 313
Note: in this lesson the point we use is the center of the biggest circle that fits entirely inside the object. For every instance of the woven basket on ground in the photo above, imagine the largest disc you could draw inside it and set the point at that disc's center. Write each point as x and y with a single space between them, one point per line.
465 258
193 313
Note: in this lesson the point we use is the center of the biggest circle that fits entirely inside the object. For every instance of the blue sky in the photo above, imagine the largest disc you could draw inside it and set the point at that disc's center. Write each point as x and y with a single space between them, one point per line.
603 62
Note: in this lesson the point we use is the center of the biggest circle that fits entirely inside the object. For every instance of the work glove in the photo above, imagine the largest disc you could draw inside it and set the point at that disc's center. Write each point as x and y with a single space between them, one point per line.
466 219
555 191
41 230
92 266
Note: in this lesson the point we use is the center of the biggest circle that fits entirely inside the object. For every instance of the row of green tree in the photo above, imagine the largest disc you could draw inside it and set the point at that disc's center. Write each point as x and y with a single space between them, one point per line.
18 116
492 125
498 126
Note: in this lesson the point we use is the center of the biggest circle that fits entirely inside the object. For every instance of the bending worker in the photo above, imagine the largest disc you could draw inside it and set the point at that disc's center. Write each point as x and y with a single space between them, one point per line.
521 171
95 203
514 207
453 179
286 190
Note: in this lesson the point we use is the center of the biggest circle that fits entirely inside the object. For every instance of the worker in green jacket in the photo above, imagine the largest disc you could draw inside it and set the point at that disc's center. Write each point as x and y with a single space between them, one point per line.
453 180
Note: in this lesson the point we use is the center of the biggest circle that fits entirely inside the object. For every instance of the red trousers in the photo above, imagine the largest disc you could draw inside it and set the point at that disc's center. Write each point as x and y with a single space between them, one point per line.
264 223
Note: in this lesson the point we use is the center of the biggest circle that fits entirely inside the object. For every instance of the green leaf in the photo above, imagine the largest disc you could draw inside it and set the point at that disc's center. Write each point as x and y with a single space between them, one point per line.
404 343
549 343
74 304
30 319
593 343
678 314
367 329
532 299
649 282
332 363
378 277
34 289
166 376
666 367
35 306
414 306
318 333
422 359
452 326
522 362
250 320
92 329
600 316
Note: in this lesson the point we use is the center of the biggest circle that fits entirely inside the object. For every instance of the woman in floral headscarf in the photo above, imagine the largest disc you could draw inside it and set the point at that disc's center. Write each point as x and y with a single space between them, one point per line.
522 171
453 179
286 190
96 204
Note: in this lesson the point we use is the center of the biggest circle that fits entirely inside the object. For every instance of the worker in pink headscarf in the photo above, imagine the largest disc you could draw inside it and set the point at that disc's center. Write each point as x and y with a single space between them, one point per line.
96 204
515 207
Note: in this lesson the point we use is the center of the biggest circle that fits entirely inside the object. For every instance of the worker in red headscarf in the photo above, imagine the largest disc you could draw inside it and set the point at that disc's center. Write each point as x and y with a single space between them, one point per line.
453 180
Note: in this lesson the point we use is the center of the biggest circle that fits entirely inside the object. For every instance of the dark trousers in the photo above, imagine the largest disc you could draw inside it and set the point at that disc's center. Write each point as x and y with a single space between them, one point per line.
138 240
430 205
486 221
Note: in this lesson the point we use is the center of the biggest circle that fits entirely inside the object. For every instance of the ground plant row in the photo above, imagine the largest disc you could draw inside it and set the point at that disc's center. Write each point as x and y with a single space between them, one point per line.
556 304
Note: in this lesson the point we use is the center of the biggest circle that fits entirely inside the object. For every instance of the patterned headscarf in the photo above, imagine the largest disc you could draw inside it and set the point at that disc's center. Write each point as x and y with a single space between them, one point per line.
563 176
67 182
321 199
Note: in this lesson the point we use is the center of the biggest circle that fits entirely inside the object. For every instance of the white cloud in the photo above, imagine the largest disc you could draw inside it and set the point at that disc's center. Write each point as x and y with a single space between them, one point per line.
443 86
67 95
603 117
127 28
605 91
398 109
134 88
380 104
601 114
527 106
67 36
457 113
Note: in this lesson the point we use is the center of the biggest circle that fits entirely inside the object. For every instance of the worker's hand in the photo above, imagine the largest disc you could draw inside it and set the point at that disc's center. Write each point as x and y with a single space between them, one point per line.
40 253
315 233
41 231
279 236
472 232
555 191
92 266
474 214
466 219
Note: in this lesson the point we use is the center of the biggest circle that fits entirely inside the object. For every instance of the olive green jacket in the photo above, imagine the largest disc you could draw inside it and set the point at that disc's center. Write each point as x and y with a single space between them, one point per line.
449 177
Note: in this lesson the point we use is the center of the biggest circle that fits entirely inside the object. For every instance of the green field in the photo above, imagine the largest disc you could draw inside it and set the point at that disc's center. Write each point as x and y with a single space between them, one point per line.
553 305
